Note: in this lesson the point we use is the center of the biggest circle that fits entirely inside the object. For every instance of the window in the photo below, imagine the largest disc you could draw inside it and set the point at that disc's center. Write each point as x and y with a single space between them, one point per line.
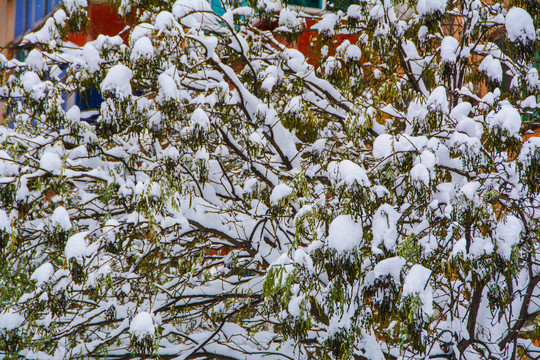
28 13
315 4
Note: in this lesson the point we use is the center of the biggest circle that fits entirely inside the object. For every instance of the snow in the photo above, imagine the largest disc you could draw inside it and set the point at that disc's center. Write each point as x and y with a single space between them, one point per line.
164 21
507 119
73 115
470 189
5 223
427 7
391 266
78 247
382 146
200 118
508 234
72 5
280 192
449 47
384 228
294 305
353 53
437 100
143 49
29 80
60 217
10 321
91 58
289 20
520 26
492 68
327 25
142 325
50 161
117 81
529 150
167 88
35 60
417 283
349 173
43 273
419 172
7 166
344 234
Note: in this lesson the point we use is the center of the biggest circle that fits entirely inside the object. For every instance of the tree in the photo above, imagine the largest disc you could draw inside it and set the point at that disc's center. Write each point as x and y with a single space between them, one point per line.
235 201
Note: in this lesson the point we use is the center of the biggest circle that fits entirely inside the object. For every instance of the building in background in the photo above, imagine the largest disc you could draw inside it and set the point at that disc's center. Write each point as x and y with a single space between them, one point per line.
20 17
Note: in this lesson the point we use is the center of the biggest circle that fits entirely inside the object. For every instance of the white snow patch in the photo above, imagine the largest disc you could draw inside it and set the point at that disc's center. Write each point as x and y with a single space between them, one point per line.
10 321
520 26
384 228
344 234
492 68
143 49
417 282
449 47
50 161
508 234
391 266
507 119
426 7
43 273
60 217
437 100
118 81
142 325
78 247
280 192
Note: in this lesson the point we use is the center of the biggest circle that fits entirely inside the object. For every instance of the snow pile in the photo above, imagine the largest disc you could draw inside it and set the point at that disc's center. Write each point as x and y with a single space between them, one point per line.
280 192
529 150
390 267
117 81
344 234
78 247
420 173
294 305
60 218
437 100
91 58
520 26
167 88
327 26
73 115
492 68
384 228
143 49
427 7
417 283
43 273
50 161
449 47
142 325
348 173
10 321
199 118
289 20
383 146
508 234
35 60
29 80
7 167
507 119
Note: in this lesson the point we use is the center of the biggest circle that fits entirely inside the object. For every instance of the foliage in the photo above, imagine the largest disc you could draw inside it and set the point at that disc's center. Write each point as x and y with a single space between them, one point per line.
234 201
